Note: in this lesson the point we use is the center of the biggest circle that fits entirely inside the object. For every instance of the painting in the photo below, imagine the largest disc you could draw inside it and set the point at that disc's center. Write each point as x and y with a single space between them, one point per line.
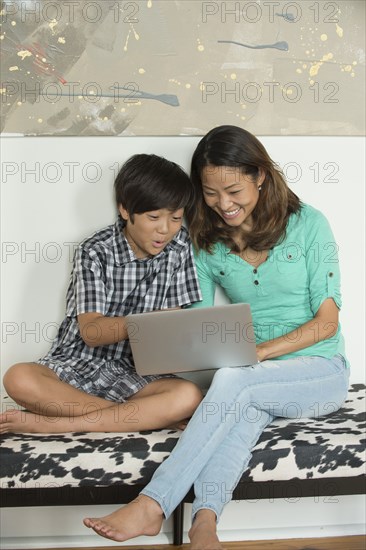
165 67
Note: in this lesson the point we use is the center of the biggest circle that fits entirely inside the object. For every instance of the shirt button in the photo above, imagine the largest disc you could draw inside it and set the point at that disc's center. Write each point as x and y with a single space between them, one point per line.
222 272
256 282
330 274
255 271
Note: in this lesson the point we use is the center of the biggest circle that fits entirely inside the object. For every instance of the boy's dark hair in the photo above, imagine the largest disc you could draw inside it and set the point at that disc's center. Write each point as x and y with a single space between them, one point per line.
149 182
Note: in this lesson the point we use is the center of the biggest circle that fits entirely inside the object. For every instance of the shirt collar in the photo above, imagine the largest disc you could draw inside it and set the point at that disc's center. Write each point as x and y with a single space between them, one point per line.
123 253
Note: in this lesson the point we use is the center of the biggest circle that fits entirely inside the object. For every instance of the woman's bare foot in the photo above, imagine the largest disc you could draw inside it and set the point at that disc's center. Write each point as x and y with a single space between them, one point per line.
142 516
203 534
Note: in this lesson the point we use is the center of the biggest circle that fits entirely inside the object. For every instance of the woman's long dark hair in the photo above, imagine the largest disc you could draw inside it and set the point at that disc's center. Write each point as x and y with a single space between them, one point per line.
235 147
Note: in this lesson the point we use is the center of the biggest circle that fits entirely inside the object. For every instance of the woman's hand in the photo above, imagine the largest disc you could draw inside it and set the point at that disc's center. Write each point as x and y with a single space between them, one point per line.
261 352
324 325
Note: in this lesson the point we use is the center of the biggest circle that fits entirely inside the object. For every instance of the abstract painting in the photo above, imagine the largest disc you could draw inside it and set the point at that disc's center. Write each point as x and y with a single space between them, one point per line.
165 67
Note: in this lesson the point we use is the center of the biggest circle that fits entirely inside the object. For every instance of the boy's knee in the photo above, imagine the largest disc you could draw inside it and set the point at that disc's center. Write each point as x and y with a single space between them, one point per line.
17 378
192 397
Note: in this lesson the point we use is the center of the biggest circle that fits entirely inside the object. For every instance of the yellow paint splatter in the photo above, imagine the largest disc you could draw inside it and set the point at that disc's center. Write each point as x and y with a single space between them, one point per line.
14 68
149 3
289 91
348 68
327 56
354 62
19 103
13 23
2 37
188 86
142 71
2 90
24 53
299 71
61 40
40 120
314 69
323 37
202 87
125 47
304 66
200 47
137 36
233 76
52 24
339 31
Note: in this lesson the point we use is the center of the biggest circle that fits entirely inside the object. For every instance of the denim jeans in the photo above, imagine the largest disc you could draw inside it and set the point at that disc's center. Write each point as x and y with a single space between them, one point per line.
215 448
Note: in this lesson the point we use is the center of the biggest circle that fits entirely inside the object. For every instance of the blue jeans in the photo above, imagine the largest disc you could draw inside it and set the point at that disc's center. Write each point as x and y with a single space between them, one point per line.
215 448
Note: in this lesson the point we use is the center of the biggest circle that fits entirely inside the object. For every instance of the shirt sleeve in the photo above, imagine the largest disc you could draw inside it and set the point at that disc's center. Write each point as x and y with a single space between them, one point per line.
184 288
206 280
321 253
89 283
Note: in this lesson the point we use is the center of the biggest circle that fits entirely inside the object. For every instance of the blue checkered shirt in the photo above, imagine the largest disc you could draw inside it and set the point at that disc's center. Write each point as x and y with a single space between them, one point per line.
109 279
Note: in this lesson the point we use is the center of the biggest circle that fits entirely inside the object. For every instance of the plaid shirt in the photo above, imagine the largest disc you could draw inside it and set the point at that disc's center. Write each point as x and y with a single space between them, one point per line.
109 279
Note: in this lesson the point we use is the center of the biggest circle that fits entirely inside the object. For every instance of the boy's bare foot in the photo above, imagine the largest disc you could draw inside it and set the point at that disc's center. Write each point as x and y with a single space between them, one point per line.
203 534
20 421
142 516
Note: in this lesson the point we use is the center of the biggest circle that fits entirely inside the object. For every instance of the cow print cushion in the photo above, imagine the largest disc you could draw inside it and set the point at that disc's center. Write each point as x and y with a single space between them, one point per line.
331 446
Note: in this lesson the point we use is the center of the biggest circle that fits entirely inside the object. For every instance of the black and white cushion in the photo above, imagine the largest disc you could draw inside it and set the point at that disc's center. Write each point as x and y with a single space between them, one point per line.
331 446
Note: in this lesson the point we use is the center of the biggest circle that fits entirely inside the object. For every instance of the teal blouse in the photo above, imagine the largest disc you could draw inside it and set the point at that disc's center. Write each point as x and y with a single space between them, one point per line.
287 289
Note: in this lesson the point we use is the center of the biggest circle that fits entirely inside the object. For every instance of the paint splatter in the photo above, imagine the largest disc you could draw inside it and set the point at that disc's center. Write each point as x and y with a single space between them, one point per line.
339 31
323 37
24 53
277 45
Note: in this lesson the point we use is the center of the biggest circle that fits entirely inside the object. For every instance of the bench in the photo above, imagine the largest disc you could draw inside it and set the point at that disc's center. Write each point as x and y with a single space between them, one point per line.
318 457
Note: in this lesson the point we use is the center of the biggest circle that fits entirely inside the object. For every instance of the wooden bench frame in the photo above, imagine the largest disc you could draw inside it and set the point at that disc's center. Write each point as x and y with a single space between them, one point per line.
246 490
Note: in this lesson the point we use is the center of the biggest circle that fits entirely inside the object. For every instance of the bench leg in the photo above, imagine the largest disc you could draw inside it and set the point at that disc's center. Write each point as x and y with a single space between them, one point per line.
178 516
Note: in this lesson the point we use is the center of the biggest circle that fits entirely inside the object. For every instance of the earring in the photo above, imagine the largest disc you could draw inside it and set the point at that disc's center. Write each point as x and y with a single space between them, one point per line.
260 188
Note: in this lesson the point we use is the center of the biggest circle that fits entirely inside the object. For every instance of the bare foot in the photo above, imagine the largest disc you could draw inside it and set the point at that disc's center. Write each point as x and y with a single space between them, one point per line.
179 425
19 421
142 516
203 534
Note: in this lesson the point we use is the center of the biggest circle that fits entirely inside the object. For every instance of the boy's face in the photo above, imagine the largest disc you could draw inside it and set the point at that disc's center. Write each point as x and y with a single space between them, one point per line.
150 232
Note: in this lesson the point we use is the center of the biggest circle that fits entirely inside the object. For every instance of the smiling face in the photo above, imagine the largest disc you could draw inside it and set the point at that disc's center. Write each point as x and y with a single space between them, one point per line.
231 194
150 232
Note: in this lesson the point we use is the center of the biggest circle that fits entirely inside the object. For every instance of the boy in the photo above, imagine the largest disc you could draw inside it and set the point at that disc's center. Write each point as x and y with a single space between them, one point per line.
87 381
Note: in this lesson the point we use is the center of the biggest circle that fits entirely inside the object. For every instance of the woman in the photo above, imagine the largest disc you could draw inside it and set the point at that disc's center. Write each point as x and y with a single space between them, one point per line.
263 246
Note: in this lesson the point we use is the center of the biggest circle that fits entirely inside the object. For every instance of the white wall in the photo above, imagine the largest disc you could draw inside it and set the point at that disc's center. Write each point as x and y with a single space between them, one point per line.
69 195
40 221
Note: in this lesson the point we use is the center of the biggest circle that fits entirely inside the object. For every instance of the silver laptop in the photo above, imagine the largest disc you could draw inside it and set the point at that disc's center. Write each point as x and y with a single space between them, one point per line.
187 340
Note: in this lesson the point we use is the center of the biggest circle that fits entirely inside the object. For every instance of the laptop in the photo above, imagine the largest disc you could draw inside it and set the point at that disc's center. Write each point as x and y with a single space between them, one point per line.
187 340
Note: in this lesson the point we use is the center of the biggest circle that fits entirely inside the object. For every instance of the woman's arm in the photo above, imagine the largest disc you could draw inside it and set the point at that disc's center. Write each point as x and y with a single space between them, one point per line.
323 325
